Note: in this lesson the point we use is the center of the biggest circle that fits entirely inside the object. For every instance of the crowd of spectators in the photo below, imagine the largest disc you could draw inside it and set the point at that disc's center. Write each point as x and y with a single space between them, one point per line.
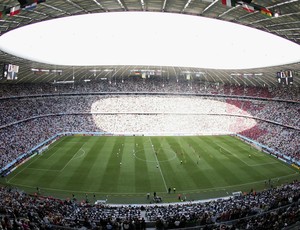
13 110
281 112
22 137
153 84
272 208
224 210
28 121
281 139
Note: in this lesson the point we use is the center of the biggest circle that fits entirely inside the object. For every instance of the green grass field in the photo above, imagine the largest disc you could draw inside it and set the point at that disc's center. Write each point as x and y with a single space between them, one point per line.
124 169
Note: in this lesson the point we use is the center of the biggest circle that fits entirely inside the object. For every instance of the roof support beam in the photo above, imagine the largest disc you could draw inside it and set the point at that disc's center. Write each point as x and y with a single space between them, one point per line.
100 5
122 4
186 5
164 6
210 5
57 9
77 6
143 4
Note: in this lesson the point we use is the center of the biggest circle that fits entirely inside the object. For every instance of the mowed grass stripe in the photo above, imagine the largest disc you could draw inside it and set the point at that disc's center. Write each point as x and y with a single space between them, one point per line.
76 174
187 171
158 165
172 169
59 156
218 174
62 159
197 177
221 163
238 160
206 164
142 179
247 171
167 166
125 181
260 166
154 173
233 161
56 146
45 171
111 155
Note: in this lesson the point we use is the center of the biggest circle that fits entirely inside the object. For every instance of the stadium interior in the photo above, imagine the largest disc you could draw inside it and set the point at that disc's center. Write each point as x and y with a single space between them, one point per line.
40 103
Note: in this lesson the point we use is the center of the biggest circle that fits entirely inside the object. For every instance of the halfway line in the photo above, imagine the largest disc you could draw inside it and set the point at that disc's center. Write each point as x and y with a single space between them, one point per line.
162 176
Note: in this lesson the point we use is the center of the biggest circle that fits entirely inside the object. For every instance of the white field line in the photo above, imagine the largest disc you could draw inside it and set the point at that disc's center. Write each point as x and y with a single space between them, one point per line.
185 191
59 149
238 185
254 165
162 175
74 142
38 156
246 163
221 147
74 157
46 170
81 155
55 143
50 170
51 147
271 163
47 158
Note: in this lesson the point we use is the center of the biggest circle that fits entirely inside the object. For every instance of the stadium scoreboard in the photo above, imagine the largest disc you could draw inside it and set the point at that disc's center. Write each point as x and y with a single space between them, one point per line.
285 77
10 71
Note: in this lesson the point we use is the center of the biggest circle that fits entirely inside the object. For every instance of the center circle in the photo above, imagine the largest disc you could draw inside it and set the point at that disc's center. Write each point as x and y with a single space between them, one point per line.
170 153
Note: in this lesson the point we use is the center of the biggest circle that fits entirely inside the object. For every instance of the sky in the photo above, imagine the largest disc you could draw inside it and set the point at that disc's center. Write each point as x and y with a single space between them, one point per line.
148 38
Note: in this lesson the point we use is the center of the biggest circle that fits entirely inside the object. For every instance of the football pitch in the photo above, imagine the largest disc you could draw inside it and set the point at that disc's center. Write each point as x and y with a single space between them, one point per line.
123 169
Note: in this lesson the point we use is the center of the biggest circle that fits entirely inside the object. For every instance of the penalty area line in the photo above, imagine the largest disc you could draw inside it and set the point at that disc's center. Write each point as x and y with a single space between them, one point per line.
74 157
37 157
